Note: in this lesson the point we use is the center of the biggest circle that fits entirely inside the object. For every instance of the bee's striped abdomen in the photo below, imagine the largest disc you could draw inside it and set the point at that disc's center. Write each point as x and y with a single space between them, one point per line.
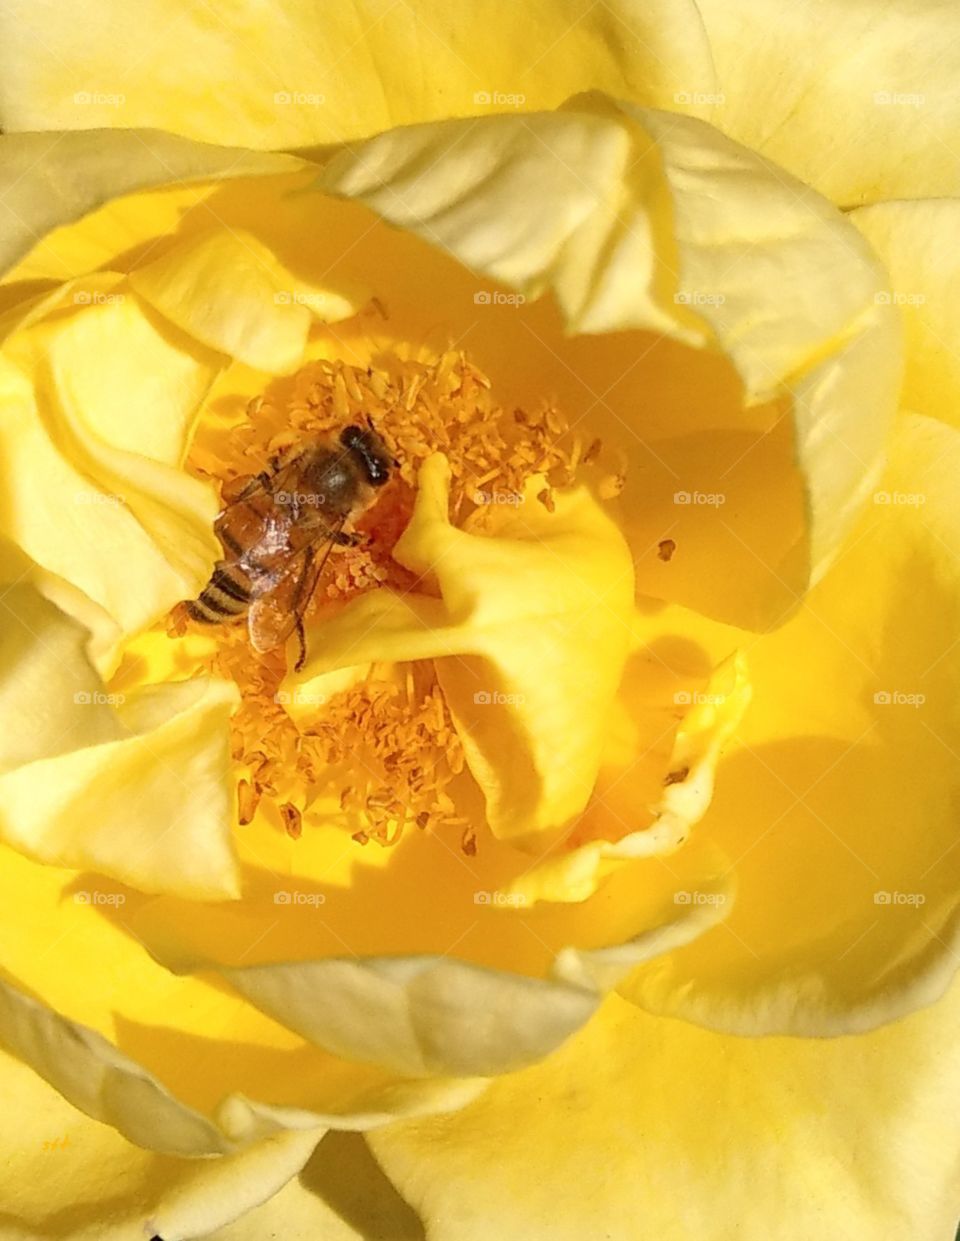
225 597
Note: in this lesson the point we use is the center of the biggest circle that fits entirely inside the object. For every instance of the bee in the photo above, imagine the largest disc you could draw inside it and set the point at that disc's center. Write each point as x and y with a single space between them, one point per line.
279 528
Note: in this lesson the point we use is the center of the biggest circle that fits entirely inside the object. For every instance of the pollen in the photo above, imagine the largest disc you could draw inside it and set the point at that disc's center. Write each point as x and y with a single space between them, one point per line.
384 751
418 408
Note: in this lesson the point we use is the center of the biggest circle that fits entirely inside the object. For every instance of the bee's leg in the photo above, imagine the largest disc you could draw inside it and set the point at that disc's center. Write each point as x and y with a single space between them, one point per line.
344 539
302 639
259 482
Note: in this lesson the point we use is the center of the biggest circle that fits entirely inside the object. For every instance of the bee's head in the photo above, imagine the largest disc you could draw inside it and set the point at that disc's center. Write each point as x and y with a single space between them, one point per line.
371 452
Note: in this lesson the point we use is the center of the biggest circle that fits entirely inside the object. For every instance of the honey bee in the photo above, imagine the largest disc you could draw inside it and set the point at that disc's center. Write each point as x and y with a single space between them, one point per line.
279 527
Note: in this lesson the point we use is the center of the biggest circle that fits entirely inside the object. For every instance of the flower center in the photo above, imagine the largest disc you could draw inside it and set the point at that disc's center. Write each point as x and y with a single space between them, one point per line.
380 745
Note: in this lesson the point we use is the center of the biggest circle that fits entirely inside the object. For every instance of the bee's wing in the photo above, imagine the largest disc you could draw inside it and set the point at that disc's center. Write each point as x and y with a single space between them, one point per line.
284 471
279 606
253 529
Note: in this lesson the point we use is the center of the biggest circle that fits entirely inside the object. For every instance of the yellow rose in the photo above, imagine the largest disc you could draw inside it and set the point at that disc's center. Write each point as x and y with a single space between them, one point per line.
637 702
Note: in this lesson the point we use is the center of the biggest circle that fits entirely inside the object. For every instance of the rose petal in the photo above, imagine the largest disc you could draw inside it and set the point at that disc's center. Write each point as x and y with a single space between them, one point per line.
640 220
297 77
575 874
836 804
542 608
433 1016
104 420
858 100
49 180
686 1133
915 241
137 789
227 290
58 1163
147 1052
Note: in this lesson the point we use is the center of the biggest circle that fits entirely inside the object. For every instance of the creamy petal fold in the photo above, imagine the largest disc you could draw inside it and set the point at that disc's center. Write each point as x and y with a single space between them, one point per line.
916 242
857 99
68 1176
441 1024
228 291
574 873
49 180
99 400
641 220
100 1080
673 1132
530 637
297 75
836 801
137 789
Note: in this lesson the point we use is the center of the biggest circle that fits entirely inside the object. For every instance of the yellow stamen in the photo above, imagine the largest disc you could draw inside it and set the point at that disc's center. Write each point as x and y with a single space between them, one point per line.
386 749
